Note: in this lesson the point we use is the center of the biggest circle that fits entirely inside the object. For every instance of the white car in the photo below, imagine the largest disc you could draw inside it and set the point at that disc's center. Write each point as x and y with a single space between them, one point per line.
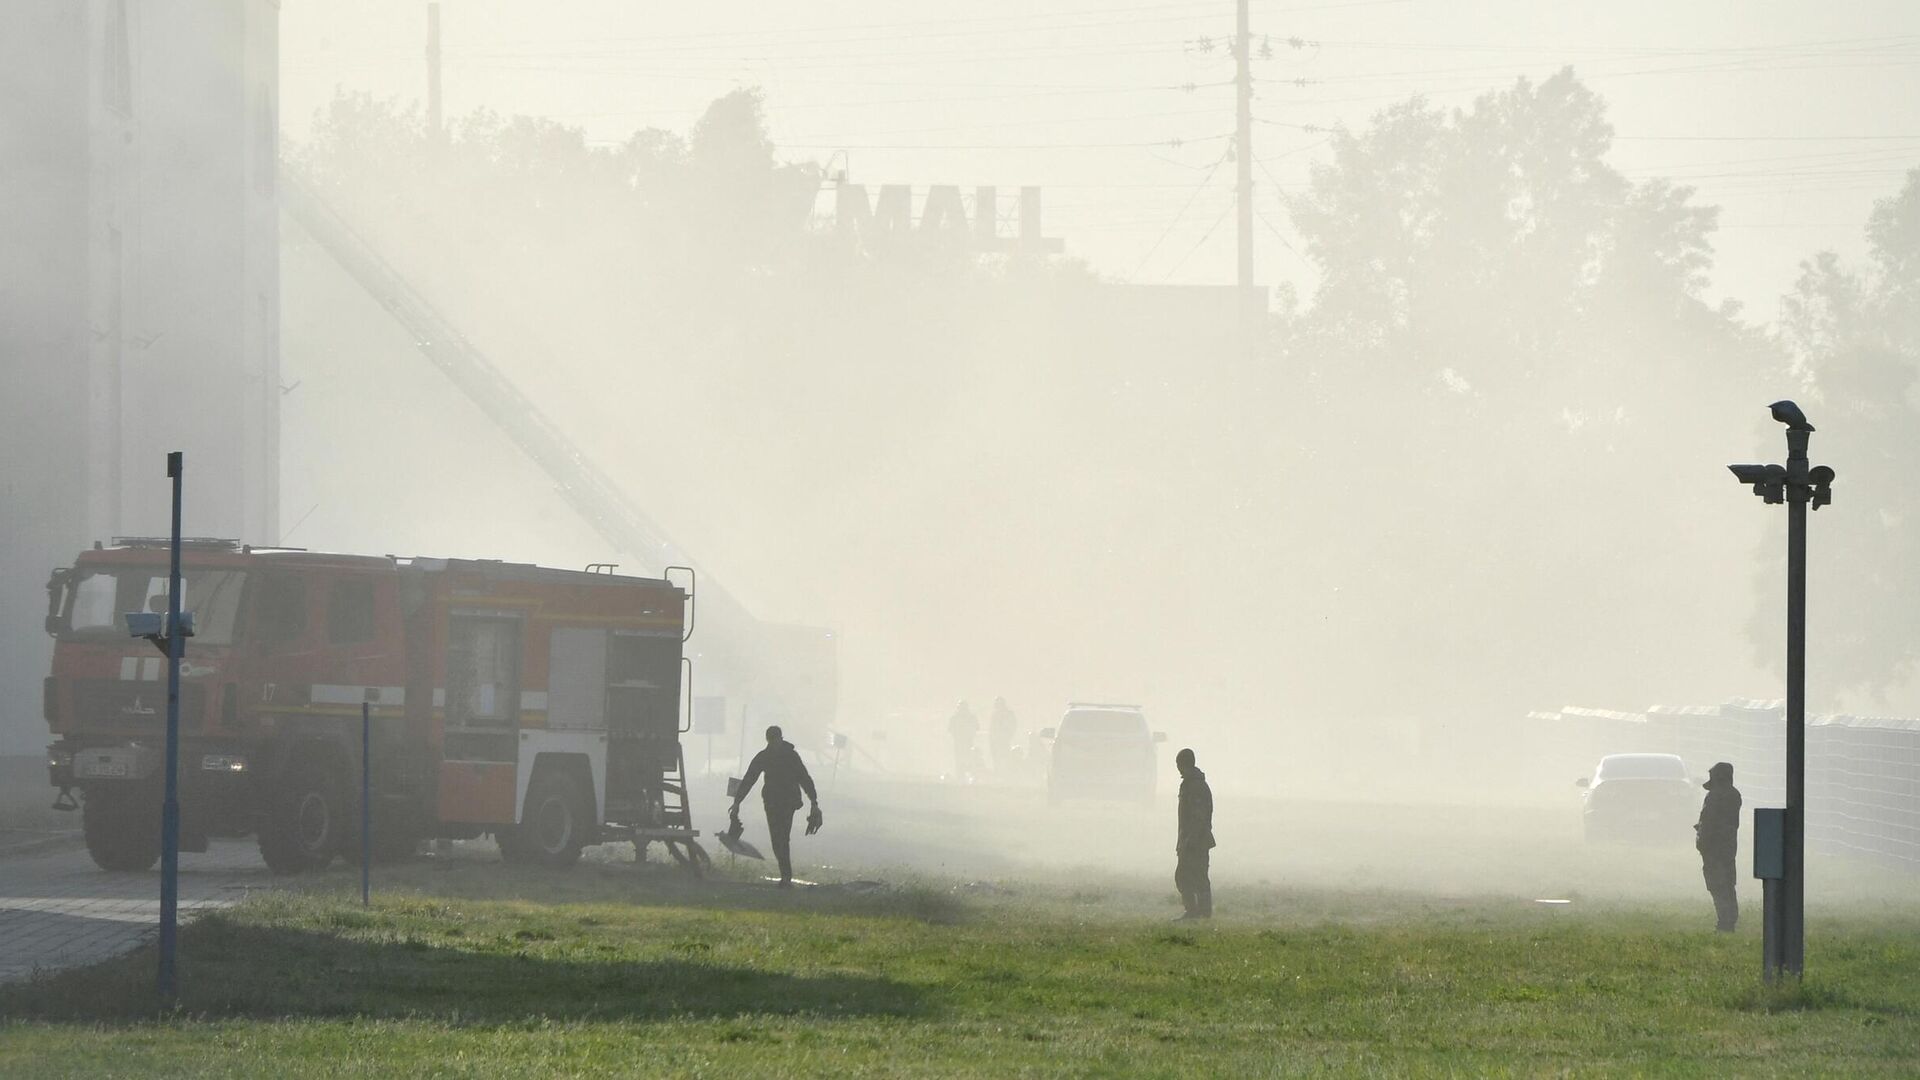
1647 798
1103 751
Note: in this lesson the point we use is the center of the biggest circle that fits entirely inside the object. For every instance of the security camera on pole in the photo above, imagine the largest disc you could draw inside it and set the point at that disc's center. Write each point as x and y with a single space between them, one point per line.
1798 486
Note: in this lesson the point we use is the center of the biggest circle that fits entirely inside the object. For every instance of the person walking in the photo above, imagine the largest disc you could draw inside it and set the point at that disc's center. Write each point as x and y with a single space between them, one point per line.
963 726
1000 728
1716 837
786 777
1194 846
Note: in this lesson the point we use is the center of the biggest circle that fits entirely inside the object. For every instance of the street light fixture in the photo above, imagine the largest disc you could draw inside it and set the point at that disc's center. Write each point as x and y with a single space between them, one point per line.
1798 486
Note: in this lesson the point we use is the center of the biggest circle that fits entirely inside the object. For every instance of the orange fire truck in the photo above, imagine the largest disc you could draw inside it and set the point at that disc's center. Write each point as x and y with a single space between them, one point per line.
540 706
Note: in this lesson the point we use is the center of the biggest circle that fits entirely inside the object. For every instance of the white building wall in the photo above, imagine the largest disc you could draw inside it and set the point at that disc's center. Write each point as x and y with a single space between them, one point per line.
139 290
202 360
110 235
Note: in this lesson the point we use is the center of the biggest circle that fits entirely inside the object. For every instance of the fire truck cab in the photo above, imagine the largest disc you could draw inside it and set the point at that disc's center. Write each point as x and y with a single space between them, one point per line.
537 705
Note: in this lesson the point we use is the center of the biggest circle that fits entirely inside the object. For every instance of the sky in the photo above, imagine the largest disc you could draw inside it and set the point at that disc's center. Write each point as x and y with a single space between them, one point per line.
1792 117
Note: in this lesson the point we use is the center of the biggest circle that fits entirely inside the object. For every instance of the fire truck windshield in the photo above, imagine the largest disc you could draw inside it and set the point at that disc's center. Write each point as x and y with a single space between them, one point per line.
96 600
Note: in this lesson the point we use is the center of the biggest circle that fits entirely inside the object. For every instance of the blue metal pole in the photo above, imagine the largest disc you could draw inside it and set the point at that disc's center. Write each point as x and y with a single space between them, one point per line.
170 807
366 804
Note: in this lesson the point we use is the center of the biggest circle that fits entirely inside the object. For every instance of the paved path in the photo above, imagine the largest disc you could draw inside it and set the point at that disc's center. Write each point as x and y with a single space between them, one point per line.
59 910
16 842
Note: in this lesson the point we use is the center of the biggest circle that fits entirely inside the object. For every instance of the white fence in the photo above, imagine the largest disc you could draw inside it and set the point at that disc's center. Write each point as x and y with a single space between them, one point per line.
1863 773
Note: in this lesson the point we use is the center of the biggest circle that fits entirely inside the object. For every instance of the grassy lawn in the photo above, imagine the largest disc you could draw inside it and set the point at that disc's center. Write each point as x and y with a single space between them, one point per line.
468 968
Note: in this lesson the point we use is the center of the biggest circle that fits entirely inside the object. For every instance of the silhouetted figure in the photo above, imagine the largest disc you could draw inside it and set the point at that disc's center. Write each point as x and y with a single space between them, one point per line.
1000 729
1716 837
786 777
1194 846
963 726
1036 755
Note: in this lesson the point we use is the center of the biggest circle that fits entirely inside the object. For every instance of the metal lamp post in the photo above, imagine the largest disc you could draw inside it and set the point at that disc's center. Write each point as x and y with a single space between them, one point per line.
1800 487
170 637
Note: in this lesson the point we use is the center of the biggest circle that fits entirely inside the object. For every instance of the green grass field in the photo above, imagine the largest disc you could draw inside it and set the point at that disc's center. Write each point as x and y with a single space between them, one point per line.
467 968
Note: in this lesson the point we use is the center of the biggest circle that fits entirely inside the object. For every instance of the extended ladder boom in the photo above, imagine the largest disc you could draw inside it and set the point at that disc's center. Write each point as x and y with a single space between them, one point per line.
588 490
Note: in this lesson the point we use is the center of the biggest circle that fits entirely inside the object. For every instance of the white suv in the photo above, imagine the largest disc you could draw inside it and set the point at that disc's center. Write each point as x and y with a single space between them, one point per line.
1103 750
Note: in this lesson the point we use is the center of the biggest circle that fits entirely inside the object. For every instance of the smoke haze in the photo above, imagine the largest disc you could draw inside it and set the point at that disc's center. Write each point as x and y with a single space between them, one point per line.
1523 274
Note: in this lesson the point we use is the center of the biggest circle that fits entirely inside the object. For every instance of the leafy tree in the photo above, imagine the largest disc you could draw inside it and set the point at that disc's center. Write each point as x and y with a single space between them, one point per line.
1508 354
1481 247
1854 335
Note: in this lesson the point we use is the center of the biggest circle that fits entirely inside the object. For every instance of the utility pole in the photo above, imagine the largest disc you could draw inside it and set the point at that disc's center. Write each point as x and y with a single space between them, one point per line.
1243 141
433 70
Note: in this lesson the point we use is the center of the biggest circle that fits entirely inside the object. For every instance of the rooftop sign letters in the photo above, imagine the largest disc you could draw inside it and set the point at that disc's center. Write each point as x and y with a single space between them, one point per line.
943 216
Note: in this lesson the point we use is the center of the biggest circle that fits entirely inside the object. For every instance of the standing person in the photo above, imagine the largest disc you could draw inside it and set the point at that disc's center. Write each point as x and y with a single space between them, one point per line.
963 726
786 777
1000 729
1193 849
1716 837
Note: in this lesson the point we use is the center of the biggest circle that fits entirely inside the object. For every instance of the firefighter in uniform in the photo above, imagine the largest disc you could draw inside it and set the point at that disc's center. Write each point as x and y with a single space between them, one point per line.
1716 837
1193 849
786 777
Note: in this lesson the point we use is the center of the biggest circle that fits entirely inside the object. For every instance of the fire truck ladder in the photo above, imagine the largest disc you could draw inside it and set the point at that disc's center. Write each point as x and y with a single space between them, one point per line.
588 490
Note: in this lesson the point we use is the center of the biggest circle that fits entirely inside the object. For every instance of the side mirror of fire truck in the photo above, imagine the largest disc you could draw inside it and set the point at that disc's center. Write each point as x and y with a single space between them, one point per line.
56 596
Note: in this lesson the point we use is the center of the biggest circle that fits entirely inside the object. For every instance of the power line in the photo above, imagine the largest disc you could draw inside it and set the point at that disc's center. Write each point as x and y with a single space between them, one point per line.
1284 242
1035 90
1633 50
1295 150
1176 142
1763 138
1023 123
1311 129
1197 189
918 29
1268 173
1208 235
1243 142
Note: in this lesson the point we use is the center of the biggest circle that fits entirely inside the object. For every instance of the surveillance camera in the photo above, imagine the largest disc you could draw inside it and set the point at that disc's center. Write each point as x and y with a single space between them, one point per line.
1769 482
1821 477
1789 414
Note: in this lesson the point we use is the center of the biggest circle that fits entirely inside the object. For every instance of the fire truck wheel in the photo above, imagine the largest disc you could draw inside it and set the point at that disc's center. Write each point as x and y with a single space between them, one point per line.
305 824
555 824
122 829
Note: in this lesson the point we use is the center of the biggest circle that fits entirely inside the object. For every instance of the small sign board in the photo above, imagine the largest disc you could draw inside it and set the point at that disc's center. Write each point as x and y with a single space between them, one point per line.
710 715
1769 842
